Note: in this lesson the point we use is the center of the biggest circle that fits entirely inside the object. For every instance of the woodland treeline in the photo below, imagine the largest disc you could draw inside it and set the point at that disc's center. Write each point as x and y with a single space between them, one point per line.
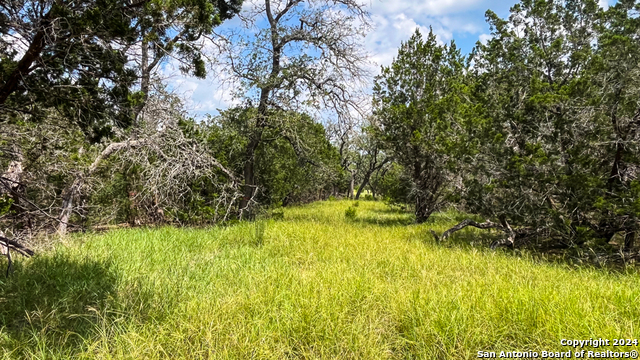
536 132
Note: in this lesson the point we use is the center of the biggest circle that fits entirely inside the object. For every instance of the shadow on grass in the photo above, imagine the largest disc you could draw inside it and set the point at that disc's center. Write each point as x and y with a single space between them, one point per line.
391 210
451 217
470 237
52 303
393 216
398 219
540 251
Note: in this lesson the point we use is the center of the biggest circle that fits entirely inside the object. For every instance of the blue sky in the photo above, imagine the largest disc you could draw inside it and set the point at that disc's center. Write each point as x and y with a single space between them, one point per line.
394 21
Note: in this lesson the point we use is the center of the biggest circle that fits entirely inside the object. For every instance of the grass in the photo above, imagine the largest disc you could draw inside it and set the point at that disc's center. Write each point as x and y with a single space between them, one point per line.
314 285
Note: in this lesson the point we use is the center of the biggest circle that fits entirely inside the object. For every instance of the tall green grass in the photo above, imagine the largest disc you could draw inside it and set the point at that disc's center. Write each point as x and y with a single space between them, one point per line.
314 285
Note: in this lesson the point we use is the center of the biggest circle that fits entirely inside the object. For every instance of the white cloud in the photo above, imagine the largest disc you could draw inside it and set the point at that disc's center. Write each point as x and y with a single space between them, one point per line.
395 21
430 7
201 96
484 38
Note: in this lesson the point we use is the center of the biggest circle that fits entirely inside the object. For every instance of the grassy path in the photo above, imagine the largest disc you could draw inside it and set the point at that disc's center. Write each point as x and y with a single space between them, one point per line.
311 286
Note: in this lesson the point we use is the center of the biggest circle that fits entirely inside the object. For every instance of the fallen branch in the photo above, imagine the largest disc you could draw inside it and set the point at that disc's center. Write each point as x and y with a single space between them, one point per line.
521 235
8 244
468 222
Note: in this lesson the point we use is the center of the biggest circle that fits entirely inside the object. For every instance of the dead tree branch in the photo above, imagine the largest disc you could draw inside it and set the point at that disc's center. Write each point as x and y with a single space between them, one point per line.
468 222
8 244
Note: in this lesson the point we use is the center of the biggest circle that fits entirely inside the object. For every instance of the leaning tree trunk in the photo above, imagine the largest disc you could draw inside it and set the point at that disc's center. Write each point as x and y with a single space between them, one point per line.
24 66
74 190
67 204
508 241
367 177
363 185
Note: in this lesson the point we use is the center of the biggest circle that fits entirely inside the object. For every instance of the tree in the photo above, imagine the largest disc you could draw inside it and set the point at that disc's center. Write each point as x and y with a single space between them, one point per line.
417 113
295 55
176 175
344 134
73 56
92 64
557 96
63 54
297 169
169 173
295 163
616 73
371 159
174 29
394 184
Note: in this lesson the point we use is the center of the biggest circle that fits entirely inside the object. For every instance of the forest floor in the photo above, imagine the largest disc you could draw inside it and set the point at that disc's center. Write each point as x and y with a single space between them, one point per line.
314 285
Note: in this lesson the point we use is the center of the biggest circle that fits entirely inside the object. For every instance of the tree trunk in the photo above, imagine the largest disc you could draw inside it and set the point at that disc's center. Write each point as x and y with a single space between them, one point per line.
67 205
11 183
351 185
374 189
629 240
367 176
249 177
423 209
8 245
11 179
145 75
74 190
427 180
365 181
463 224
615 177
249 182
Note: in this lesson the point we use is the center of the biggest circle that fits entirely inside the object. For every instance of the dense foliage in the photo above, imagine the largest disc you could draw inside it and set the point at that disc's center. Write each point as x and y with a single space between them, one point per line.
550 146
417 111
560 115
295 161
83 59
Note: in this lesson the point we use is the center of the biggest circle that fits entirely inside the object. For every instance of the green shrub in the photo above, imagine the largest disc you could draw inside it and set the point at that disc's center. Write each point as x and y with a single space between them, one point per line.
350 213
277 214
332 198
5 204
368 197
356 204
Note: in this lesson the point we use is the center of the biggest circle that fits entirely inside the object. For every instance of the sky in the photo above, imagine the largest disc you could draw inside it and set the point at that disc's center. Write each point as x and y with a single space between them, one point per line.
394 21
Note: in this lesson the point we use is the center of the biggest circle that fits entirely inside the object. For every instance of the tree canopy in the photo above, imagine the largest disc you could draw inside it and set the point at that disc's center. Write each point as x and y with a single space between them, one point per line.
78 57
418 115
539 134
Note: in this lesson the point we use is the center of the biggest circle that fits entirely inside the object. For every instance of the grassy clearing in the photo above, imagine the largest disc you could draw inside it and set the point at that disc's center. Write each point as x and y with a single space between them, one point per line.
314 285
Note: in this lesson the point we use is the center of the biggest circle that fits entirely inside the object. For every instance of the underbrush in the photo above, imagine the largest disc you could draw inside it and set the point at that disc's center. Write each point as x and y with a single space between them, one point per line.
310 284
